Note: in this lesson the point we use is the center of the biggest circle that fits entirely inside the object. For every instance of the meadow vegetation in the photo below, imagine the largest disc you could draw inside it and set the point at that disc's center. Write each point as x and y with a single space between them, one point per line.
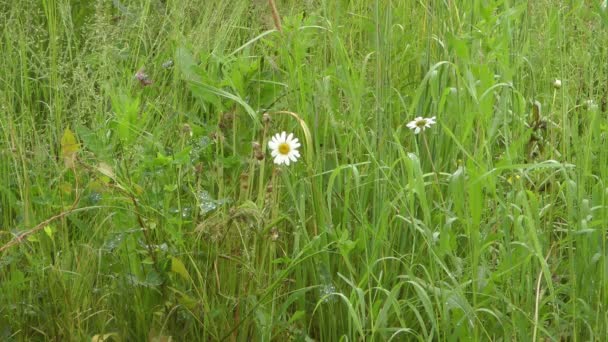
139 199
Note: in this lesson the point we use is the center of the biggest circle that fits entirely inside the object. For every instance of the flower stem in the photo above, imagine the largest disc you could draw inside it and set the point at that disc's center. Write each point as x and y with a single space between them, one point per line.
428 151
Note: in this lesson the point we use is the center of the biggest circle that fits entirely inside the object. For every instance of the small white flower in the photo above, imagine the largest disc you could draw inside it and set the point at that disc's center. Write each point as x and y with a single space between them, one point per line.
557 84
284 148
590 105
419 124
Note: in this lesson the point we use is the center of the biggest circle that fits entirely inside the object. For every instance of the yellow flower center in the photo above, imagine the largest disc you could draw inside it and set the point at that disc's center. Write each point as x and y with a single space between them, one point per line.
284 148
421 123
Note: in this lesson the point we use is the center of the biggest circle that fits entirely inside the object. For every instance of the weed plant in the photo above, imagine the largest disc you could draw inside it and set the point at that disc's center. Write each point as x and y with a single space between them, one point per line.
139 200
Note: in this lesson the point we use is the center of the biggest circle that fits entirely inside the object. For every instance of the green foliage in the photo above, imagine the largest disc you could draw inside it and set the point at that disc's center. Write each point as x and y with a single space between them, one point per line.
134 206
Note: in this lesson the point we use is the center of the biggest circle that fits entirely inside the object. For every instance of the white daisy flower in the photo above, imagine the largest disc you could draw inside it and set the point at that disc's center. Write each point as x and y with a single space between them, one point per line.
419 124
284 148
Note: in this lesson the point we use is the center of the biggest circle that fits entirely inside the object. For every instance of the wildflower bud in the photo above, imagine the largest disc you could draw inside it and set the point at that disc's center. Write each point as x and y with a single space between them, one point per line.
259 155
187 130
226 120
557 84
274 234
142 77
266 118
217 136
256 146
269 188
244 181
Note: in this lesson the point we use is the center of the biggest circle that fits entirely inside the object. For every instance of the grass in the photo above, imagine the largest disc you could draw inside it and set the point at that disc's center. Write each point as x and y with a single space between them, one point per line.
139 209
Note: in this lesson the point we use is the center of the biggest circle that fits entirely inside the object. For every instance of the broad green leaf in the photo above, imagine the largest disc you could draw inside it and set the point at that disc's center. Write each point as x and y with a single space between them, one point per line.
177 266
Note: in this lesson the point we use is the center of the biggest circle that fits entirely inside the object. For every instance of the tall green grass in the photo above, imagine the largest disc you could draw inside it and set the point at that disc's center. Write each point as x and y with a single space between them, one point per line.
134 211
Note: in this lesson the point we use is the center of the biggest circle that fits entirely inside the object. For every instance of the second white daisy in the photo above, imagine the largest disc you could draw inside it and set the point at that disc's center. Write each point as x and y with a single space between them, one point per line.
419 124
284 148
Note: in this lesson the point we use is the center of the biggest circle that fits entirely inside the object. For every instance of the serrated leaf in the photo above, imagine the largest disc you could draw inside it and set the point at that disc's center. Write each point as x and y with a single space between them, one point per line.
177 266
129 119
69 148
49 231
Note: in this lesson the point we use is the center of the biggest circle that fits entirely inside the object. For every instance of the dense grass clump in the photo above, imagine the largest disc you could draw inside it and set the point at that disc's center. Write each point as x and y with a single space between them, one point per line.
139 200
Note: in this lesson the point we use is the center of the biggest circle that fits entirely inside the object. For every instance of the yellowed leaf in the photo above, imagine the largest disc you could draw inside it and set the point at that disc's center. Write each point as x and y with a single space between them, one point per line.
105 337
161 339
106 170
69 148
177 266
